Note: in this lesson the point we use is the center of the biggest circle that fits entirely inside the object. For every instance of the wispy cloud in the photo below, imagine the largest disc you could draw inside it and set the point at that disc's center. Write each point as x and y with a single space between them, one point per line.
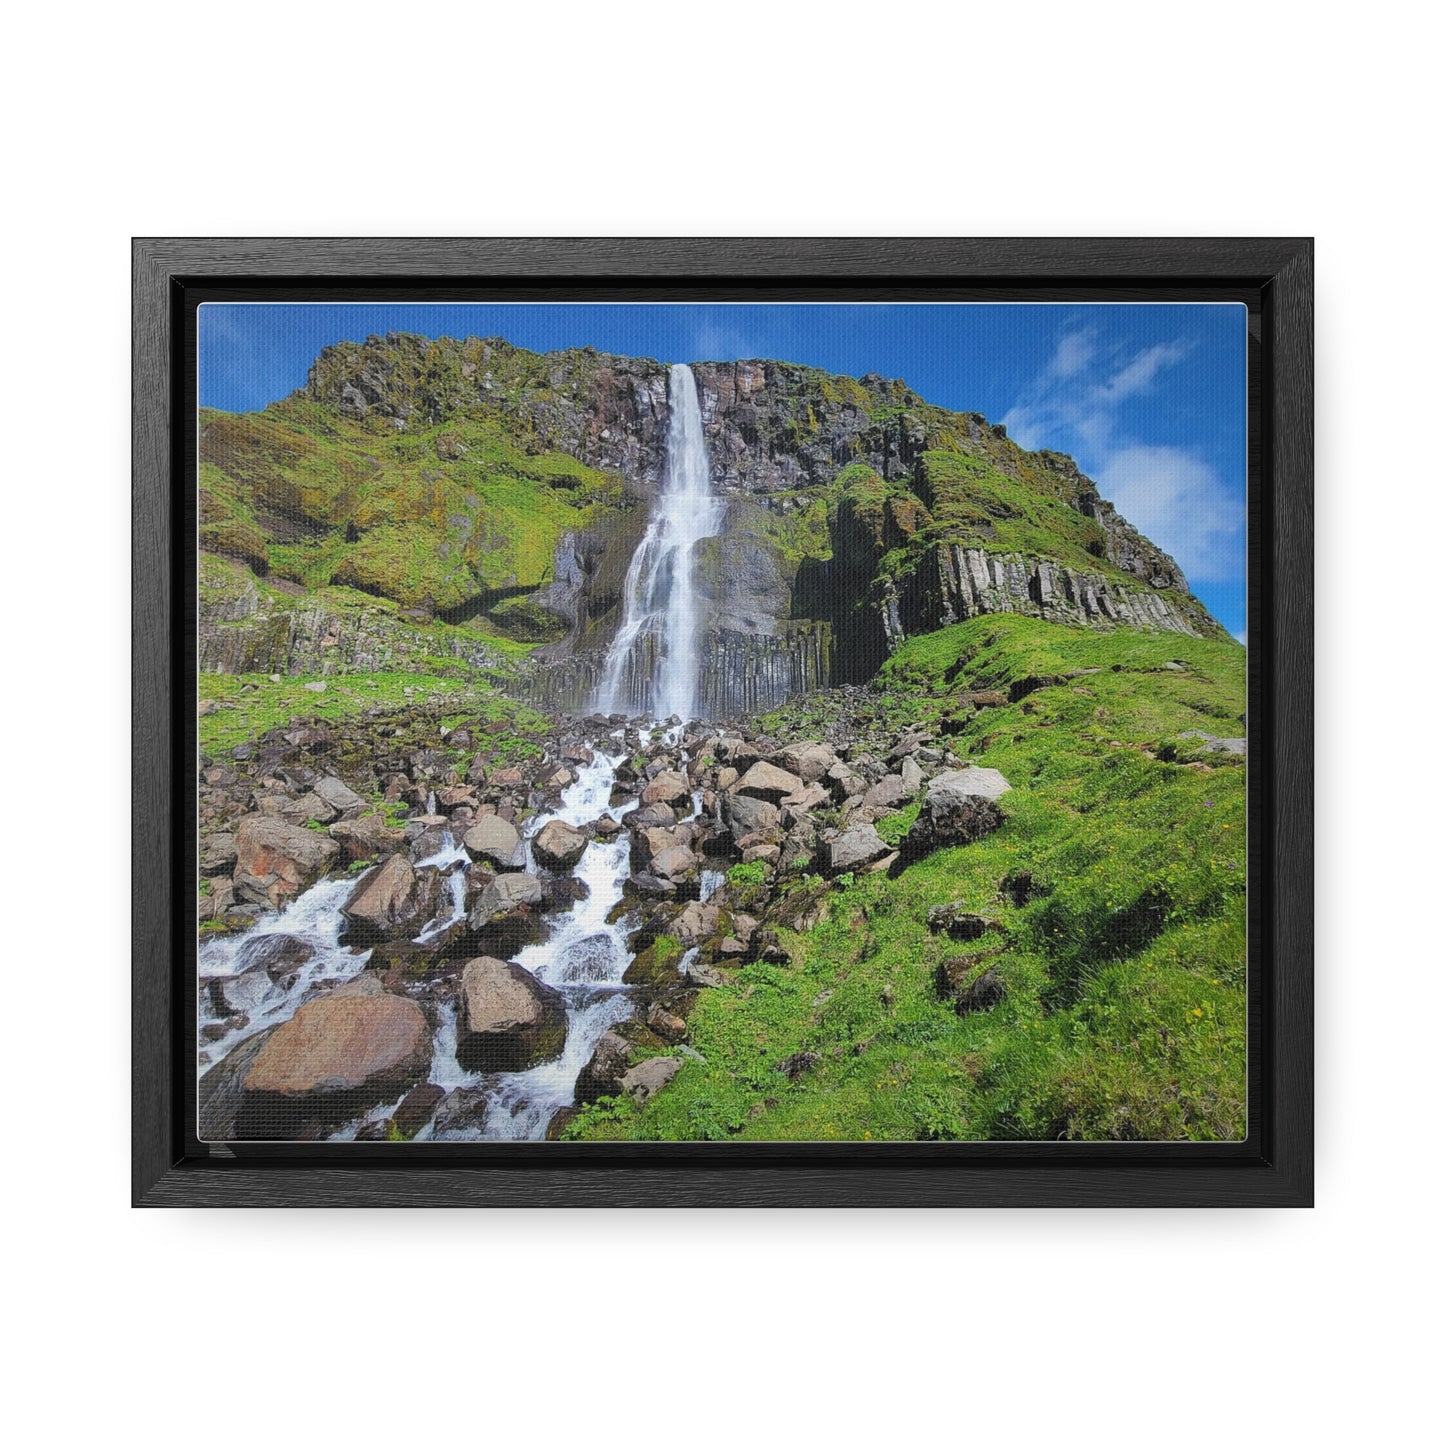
714 341
1179 502
1172 495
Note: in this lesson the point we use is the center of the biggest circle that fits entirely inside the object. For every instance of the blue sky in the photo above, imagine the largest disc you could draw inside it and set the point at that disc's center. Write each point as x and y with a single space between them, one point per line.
1149 399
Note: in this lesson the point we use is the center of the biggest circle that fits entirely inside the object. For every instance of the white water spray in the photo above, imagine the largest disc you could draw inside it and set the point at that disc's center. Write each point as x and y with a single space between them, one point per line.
654 662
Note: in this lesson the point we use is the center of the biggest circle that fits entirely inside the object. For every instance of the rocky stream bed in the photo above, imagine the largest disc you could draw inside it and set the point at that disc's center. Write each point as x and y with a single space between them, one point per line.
441 943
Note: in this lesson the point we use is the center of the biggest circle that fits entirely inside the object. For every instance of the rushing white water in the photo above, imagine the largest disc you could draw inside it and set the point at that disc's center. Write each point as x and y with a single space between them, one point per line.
653 664
583 958
271 970
294 955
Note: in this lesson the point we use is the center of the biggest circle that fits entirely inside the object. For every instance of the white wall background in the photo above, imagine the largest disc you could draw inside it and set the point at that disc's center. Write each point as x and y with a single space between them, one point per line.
449 119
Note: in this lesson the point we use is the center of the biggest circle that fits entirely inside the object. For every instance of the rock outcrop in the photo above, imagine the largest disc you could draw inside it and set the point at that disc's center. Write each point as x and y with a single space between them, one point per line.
857 515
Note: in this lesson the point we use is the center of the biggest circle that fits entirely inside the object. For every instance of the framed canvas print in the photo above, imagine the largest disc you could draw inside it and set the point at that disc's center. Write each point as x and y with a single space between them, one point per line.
749 722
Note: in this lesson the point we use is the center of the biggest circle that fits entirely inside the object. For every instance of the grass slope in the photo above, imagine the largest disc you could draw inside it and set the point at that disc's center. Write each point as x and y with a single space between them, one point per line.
1122 950
434 517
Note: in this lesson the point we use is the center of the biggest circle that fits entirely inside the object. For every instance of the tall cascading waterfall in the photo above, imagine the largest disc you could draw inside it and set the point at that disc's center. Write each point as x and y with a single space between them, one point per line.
653 666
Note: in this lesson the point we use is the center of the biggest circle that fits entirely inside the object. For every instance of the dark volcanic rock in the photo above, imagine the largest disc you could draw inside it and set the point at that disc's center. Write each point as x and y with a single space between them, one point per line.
959 807
602 1073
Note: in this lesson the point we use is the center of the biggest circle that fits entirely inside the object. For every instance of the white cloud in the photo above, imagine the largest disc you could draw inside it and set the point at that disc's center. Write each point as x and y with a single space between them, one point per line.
1073 353
1178 501
1175 498
1138 375
713 342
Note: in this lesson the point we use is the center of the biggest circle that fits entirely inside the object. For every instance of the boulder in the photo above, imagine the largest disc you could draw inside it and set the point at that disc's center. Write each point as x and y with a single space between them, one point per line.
218 854
334 1057
745 814
1236 746
559 845
308 808
666 1025
507 1019
810 761
366 837
644 1080
602 1073
275 861
415 1111
674 863
889 791
280 954
853 849
391 900
462 1114
912 776
504 894
497 841
650 815
767 782
222 1089
667 787
696 922
959 923
959 807
704 975
335 793
809 796
240 993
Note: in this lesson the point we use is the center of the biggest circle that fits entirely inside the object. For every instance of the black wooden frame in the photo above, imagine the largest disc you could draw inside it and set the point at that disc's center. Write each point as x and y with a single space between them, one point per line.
1274 277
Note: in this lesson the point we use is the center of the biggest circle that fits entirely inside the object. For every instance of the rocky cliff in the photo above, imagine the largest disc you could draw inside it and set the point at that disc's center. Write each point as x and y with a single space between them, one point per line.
501 489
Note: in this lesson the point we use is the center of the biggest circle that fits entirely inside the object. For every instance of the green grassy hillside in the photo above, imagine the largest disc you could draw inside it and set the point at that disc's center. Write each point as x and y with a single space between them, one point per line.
1116 893
434 518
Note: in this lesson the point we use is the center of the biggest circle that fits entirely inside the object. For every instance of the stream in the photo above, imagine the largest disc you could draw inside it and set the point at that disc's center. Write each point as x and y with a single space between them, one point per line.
299 953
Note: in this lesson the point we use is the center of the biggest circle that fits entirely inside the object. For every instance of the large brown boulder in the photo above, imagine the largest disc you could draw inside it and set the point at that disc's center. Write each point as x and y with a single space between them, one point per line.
335 1057
393 900
507 1020
559 845
674 863
275 861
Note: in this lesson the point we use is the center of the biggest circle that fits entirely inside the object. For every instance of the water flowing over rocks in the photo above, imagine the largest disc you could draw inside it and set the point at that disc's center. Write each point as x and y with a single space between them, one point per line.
536 932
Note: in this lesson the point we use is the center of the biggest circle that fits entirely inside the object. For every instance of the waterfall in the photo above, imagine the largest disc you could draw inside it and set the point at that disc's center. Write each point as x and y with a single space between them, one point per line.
652 668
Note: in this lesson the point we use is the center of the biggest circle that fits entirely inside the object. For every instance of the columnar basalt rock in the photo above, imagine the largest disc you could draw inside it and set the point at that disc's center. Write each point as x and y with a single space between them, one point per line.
857 515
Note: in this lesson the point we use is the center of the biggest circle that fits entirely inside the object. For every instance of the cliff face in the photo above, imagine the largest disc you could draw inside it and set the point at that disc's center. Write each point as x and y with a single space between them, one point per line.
475 481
